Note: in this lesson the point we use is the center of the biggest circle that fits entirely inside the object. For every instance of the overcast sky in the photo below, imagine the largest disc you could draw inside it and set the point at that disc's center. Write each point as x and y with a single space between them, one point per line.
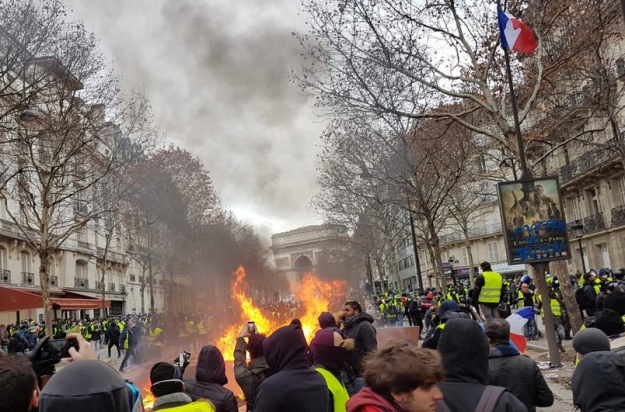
216 73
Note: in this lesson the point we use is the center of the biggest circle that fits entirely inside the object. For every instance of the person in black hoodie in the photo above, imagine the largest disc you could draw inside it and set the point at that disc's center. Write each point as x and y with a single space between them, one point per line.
293 386
464 349
210 378
113 335
358 326
598 382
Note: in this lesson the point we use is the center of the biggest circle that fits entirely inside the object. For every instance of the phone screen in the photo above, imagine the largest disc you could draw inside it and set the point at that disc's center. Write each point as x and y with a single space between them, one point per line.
251 327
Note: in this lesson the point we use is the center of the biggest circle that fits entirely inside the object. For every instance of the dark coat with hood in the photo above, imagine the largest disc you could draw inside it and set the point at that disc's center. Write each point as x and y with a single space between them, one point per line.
598 382
210 376
520 375
609 321
360 328
249 376
292 386
464 350
86 385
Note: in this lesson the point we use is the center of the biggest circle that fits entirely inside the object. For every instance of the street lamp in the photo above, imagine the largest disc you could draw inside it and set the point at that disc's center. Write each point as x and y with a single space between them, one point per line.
577 228
28 116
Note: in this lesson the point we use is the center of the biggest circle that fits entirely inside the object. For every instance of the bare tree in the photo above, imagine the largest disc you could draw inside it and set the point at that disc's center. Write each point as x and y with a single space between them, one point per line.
81 134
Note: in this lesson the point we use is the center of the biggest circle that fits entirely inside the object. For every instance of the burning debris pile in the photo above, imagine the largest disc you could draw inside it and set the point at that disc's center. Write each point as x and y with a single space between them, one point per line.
314 296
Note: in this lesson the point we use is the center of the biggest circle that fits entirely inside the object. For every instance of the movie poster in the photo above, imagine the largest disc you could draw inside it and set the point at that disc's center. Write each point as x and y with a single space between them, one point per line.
533 221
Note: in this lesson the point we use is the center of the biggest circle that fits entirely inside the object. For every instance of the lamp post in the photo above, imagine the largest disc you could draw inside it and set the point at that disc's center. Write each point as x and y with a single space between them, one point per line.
578 231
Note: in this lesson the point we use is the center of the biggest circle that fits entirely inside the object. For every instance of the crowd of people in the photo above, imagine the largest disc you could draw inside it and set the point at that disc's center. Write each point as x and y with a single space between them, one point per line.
465 362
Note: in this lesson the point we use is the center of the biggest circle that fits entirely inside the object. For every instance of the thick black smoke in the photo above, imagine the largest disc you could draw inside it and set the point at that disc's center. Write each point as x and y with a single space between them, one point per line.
217 74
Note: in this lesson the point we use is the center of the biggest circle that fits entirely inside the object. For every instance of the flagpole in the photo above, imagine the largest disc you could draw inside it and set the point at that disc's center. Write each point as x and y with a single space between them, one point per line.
525 172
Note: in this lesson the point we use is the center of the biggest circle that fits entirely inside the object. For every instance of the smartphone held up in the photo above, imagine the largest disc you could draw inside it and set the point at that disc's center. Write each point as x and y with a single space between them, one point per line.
251 327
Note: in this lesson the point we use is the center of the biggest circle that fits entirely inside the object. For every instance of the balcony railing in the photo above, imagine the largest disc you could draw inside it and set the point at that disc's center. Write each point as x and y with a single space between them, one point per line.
98 285
588 161
53 281
28 278
594 223
618 216
132 278
5 276
81 283
111 287
473 233
122 288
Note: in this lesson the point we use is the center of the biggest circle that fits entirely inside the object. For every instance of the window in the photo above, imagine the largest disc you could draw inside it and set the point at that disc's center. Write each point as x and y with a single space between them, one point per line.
605 253
594 204
493 251
465 256
481 164
620 67
82 235
81 269
3 258
51 267
621 189
25 258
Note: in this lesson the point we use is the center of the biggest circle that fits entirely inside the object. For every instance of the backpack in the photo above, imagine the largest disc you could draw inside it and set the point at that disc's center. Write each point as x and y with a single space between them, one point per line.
580 298
487 402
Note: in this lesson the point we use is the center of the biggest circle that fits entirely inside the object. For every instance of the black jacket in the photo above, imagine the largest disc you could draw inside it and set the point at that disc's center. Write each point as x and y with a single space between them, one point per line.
464 350
293 386
210 376
598 382
249 377
360 328
114 333
520 375
609 321
590 296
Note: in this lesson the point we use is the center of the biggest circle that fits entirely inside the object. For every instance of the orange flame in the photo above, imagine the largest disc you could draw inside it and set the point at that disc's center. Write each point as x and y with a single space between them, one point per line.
148 398
315 297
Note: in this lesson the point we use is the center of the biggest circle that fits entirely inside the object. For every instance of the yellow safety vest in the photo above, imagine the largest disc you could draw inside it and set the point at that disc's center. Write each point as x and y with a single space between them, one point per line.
339 393
197 406
521 302
556 309
491 291
201 329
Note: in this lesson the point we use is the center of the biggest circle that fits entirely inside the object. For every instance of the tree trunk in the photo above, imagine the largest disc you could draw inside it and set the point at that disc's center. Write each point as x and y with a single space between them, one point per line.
151 280
471 264
378 265
568 295
142 291
438 262
370 272
103 286
44 262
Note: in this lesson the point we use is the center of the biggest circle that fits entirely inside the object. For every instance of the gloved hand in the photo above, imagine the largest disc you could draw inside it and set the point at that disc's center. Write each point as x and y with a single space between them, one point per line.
43 358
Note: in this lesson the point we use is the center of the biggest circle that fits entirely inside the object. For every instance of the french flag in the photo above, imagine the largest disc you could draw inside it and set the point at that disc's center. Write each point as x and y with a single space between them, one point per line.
515 34
517 321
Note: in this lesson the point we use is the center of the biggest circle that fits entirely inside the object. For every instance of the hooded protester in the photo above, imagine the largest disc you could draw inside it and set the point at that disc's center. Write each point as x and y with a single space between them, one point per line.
86 385
449 309
590 340
293 386
358 325
250 376
464 349
598 382
610 318
168 389
329 358
210 378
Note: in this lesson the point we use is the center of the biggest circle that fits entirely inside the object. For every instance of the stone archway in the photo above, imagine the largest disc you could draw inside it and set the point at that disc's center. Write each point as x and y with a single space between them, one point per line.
303 264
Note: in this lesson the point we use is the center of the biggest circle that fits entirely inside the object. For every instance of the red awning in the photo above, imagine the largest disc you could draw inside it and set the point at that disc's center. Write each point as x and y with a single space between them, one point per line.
70 304
14 299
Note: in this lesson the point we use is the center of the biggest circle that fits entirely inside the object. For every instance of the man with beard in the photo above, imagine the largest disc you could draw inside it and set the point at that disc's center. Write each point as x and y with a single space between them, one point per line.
292 386
358 325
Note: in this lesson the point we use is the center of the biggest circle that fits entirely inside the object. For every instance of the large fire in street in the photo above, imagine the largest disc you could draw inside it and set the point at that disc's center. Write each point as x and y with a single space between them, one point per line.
315 296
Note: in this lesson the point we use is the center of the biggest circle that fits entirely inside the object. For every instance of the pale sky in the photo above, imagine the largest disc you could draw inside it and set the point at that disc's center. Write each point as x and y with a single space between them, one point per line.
216 73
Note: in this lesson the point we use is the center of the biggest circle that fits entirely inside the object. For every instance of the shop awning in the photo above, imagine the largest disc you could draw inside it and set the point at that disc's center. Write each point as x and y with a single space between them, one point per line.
71 304
14 299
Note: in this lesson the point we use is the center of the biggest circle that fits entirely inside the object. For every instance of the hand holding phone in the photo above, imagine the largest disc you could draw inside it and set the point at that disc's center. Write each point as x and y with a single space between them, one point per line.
251 327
